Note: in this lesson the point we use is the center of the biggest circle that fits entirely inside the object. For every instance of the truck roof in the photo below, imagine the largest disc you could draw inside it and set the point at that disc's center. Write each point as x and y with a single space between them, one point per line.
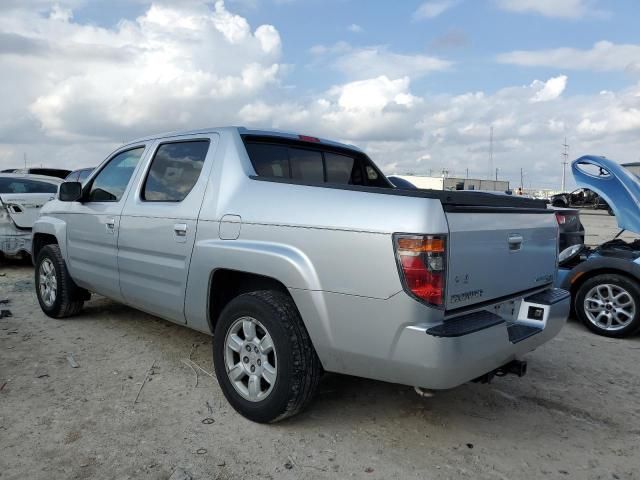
265 132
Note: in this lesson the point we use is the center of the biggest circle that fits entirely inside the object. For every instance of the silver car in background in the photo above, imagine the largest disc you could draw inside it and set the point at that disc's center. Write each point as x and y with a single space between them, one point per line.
299 256
21 197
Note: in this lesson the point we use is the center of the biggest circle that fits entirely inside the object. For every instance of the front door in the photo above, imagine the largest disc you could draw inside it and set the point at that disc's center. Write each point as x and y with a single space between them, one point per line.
158 225
92 225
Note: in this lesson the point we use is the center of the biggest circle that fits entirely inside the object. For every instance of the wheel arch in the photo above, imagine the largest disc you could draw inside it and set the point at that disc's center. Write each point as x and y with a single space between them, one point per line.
46 231
225 284
41 240
585 275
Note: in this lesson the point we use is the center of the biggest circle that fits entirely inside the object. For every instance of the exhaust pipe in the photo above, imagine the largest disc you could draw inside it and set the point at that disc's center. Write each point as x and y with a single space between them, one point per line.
514 367
424 392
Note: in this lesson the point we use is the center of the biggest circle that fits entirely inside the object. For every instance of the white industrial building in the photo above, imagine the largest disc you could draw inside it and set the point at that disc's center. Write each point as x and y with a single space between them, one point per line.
455 183
633 167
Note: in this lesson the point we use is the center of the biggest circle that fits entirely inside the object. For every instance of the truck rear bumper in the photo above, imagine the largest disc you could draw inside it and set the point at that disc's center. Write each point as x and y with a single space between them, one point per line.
14 242
462 349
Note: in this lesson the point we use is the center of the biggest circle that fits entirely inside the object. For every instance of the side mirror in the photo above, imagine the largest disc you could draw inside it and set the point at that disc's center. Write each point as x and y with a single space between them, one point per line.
70 191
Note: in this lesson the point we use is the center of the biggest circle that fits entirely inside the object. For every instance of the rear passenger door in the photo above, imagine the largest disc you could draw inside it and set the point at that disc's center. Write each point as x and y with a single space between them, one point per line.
158 225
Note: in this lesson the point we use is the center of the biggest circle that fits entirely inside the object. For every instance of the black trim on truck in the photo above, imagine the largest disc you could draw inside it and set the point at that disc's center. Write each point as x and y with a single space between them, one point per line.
459 201
465 325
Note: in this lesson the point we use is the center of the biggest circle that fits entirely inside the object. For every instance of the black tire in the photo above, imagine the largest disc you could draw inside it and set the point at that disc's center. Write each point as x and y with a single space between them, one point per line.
69 297
630 285
298 365
559 203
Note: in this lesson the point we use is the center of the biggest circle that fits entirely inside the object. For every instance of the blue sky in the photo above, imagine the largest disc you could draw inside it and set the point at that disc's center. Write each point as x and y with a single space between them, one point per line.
471 33
417 84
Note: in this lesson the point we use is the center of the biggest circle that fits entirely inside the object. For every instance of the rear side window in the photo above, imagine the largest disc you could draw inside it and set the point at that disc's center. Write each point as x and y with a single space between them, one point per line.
306 165
22 185
110 184
174 171
342 169
269 160
311 166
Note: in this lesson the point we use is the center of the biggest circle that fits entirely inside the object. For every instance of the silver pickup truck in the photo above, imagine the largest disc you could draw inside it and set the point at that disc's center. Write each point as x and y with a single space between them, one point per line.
299 256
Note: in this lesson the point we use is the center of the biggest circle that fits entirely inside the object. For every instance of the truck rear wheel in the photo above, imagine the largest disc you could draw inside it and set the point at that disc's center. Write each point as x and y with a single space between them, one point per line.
609 305
265 363
57 293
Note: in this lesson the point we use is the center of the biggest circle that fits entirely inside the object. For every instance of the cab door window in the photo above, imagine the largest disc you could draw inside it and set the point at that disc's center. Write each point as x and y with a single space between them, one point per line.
109 185
174 170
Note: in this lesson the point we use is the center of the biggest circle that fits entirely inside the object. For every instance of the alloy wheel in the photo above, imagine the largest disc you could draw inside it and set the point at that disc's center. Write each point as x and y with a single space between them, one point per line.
250 359
609 307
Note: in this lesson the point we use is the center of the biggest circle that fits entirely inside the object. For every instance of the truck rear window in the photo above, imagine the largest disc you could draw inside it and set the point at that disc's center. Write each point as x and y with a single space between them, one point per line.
312 165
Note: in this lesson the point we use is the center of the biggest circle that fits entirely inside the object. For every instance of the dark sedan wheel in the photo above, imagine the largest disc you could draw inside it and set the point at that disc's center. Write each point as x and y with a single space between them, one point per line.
609 305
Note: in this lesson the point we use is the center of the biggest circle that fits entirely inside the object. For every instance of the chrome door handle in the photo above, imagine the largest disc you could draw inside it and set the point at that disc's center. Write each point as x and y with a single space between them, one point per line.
180 229
110 224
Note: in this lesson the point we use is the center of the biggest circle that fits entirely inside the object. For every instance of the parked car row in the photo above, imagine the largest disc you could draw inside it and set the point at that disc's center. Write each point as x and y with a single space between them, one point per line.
21 197
22 193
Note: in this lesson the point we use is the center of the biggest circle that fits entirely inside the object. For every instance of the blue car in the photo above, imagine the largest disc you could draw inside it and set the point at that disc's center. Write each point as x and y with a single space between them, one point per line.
605 281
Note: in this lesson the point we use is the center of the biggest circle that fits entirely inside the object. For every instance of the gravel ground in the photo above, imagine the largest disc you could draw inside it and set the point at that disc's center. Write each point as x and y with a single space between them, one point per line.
576 415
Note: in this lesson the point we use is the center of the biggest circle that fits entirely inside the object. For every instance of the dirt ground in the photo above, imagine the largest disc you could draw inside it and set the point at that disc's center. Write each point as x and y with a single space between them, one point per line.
576 415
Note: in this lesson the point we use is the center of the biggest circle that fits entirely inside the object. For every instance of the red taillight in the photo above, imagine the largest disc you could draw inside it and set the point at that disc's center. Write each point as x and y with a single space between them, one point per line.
561 218
422 261
307 138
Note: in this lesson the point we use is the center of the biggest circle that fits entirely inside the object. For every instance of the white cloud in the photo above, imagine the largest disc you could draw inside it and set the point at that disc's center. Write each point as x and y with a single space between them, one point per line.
374 61
603 56
404 132
355 28
433 8
193 65
572 9
72 91
549 90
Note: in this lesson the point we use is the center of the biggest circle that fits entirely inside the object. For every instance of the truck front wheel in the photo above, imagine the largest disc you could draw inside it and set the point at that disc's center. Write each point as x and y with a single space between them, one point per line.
57 293
265 363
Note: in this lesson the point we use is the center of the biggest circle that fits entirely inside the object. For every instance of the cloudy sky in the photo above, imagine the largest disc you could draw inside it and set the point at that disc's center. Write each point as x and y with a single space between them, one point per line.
417 84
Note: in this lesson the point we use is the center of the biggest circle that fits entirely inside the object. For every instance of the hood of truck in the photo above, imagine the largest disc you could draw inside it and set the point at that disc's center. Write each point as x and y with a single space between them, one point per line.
615 184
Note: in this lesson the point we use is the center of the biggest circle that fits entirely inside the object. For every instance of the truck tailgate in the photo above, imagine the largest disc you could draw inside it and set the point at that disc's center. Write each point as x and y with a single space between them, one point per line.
498 254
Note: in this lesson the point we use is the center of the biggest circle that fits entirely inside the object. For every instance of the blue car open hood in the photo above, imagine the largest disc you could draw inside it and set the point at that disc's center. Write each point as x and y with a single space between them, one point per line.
615 184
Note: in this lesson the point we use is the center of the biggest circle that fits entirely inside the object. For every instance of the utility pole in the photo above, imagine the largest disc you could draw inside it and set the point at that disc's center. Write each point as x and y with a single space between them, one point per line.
565 161
521 179
467 173
24 156
490 151
496 174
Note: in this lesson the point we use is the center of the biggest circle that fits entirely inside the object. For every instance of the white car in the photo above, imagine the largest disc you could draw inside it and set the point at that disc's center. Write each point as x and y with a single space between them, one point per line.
21 197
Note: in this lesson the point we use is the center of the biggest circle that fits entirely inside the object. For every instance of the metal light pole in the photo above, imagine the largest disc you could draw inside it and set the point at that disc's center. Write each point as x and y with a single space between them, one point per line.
565 162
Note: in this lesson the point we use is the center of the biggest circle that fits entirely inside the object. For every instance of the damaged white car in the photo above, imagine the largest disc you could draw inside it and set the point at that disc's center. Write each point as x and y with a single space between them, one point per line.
21 197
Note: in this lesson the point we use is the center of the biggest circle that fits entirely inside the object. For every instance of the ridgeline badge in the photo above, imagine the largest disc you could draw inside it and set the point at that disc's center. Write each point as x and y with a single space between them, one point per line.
466 296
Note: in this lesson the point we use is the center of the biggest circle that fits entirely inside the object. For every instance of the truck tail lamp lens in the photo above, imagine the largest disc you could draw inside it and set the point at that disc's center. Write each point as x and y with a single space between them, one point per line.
422 261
